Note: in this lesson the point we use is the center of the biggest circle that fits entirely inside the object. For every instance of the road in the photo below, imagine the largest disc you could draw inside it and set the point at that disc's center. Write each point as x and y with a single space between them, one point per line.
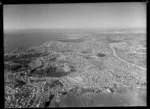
114 53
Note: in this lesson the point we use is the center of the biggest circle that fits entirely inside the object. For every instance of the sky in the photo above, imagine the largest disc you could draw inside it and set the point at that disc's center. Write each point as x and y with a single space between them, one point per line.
75 15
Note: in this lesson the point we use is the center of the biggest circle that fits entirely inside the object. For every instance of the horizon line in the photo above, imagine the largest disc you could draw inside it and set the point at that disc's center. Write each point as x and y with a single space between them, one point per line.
75 28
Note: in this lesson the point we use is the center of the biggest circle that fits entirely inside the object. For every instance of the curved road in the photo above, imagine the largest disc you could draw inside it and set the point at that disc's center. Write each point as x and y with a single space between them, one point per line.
114 53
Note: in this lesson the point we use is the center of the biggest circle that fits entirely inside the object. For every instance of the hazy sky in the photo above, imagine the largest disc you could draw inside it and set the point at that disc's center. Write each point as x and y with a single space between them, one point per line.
80 15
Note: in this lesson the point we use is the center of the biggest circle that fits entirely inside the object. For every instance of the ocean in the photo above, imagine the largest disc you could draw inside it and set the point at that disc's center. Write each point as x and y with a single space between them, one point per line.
35 37
25 39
